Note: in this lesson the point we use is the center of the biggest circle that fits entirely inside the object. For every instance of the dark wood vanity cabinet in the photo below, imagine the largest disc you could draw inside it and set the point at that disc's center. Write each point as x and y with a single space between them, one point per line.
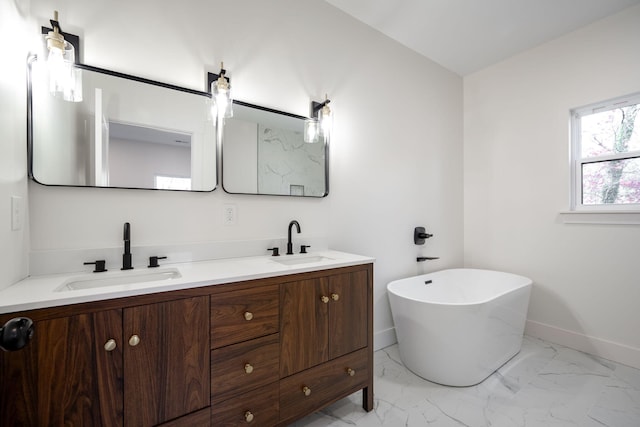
325 341
138 366
286 347
245 355
64 376
166 374
263 352
322 318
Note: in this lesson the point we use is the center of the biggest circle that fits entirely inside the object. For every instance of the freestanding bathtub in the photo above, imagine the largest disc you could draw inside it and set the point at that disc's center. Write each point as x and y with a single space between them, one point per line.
456 327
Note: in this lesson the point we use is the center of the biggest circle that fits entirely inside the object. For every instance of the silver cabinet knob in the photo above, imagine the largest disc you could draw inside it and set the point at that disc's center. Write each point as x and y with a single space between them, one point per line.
134 340
110 345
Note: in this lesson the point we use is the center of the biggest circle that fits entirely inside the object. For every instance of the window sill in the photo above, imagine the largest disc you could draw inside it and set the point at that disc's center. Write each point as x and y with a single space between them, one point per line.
599 217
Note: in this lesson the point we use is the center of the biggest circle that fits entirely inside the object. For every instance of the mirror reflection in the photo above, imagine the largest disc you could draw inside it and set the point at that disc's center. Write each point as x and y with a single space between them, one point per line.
263 152
127 132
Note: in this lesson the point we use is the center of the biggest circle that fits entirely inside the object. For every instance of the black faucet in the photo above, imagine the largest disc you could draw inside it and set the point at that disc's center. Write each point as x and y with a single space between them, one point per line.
126 256
289 243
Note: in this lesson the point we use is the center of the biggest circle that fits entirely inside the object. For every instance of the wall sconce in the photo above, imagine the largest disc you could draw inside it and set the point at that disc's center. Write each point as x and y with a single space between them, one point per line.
65 80
221 100
318 126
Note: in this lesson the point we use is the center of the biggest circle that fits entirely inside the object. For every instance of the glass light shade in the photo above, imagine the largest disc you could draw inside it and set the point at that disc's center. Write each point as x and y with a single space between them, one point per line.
221 98
311 130
325 122
65 81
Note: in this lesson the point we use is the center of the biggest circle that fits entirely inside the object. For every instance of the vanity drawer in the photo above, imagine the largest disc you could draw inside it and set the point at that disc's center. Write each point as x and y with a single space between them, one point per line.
244 314
258 407
238 368
326 383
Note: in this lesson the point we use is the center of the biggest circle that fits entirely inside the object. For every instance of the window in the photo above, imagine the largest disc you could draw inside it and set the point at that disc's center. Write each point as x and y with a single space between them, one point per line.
606 155
163 182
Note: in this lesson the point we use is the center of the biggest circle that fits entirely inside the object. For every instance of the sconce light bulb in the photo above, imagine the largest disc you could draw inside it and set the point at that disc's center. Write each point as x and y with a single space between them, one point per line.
55 40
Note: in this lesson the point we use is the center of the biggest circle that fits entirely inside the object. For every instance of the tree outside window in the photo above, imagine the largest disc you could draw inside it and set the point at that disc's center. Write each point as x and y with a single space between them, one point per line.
607 154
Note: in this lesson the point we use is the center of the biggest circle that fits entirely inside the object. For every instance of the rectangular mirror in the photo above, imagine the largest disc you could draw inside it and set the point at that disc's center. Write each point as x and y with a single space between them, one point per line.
127 132
263 152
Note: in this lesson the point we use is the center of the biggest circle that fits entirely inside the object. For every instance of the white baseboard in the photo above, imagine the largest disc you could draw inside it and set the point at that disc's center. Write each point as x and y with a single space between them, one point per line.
385 338
616 352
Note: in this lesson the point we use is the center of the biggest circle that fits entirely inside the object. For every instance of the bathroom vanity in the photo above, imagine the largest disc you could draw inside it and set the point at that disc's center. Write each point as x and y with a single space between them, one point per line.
263 347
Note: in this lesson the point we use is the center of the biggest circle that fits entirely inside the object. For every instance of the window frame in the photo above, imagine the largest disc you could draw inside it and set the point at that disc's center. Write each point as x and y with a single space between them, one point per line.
577 161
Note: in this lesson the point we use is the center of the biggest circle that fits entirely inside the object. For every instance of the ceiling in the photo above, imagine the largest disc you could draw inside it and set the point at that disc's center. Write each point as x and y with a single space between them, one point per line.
468 35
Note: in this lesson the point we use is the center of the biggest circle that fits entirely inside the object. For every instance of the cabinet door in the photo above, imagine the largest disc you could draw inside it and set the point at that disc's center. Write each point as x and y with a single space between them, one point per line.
303 325
348 310
65 376
167 371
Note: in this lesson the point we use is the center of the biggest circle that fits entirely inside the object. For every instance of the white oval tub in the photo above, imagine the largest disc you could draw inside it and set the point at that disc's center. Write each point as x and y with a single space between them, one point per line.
461 326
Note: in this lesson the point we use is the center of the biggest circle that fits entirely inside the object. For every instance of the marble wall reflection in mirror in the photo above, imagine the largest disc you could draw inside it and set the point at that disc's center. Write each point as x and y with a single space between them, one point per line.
263 152
128 132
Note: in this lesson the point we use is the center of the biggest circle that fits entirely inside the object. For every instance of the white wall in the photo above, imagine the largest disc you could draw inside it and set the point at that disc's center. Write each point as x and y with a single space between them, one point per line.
396 153
13 159
129 164
516 166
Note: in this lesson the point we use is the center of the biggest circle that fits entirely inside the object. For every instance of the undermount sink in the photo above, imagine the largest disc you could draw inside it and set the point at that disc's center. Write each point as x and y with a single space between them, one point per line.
100 280
301 260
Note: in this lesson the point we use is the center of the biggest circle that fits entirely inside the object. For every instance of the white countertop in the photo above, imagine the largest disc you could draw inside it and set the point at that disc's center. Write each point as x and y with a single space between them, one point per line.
43 291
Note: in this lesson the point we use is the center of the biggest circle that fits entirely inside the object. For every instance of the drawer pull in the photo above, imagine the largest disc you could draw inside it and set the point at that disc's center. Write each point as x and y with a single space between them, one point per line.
248 368
248 416
134 340
351 372
306 391
110 345
324 299
248 315
335 297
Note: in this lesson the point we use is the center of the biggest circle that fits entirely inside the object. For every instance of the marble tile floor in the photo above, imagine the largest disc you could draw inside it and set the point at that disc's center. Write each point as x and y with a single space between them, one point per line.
543 385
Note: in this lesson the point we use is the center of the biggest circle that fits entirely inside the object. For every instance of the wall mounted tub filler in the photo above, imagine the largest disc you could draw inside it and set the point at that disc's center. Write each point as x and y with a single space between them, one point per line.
419 235
289 243
126 256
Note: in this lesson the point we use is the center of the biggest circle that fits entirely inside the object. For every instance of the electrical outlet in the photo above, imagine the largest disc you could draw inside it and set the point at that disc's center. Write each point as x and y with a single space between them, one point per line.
16 213
229 214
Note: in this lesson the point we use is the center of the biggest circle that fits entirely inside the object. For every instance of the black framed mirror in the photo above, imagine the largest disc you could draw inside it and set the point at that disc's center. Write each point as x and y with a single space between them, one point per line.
263 152
127 132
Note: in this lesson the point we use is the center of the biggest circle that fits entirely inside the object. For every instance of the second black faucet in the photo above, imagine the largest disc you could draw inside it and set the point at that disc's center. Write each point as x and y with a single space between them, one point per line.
289 242
126 256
